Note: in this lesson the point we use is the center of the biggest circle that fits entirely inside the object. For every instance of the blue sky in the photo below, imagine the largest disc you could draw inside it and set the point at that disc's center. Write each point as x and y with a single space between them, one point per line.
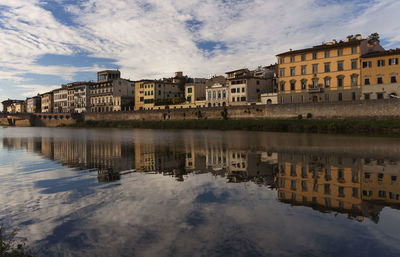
48 43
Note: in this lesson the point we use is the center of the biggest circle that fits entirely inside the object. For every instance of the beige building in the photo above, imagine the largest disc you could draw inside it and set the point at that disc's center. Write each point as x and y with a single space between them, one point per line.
245 86
60 98
380 73
47 102
324 73
33 104
111 93
79 97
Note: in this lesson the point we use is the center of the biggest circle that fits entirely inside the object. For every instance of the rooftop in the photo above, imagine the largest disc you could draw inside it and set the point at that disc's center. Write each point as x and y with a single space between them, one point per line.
325 46
382 53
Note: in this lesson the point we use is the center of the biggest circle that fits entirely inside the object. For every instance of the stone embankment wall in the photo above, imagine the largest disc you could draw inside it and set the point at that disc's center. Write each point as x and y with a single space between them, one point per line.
373 109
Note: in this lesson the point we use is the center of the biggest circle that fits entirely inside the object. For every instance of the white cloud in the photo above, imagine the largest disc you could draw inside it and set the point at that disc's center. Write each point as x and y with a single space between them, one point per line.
151 39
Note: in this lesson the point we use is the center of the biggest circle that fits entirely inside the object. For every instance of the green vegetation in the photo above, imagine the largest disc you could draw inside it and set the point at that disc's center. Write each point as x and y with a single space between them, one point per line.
10 247
362 127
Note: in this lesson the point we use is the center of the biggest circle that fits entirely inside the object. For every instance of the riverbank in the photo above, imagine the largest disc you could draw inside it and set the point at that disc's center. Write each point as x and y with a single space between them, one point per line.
359 127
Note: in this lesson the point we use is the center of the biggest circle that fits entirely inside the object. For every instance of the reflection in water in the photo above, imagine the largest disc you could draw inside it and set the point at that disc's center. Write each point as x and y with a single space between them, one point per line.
356 177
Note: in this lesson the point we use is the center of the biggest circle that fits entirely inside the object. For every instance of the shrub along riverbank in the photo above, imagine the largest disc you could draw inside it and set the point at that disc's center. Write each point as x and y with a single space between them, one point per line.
363 127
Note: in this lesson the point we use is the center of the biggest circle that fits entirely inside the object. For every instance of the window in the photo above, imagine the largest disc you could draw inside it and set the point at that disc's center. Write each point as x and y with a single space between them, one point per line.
291 58
379 80
303 84
315 83
327 81
340 97
353 96
393 61
189 90
340 52
379 95
282 60
292 85
244 89
303 57
282 86
366 81
223 94
292 71
304 186
380 63
233 90
314 56
327 189
315 68
214 94
340 65
354 80
282 73
303 69
367 64
354 50
354 64
340 81
393 79
367 96
327 66
243 99
219 94
327 54
341 192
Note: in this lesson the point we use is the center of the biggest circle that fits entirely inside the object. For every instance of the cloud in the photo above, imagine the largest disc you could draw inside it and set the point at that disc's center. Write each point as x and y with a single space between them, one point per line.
154 38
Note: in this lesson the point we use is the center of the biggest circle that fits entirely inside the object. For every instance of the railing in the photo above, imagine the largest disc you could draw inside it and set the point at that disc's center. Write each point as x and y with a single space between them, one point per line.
315 88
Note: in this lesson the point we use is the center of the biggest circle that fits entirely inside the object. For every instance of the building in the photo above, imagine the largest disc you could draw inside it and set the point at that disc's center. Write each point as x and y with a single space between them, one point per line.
17 106
245 87
195 90
79 97
159 94
60 99
324 73
12 106
47 102
380 73
217 95
111 93
33 104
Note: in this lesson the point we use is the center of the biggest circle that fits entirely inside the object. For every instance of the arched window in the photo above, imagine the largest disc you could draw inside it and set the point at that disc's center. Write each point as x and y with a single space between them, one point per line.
292 85
303 84
340 81
282 86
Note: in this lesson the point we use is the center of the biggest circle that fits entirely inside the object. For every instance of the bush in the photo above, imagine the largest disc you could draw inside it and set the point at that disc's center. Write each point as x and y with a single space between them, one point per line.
299 117
10 247
309 115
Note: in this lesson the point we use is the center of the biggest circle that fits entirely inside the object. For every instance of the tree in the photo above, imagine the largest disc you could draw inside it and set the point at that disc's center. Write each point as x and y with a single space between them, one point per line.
374 37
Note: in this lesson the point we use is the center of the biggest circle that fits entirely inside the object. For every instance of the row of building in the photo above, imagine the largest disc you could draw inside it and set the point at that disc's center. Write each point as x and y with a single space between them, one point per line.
350 70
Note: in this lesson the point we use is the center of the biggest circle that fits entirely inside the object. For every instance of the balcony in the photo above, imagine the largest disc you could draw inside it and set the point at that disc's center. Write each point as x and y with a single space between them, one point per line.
315 89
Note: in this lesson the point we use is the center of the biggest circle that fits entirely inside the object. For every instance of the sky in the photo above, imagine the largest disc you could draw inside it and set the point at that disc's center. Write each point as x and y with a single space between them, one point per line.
44 44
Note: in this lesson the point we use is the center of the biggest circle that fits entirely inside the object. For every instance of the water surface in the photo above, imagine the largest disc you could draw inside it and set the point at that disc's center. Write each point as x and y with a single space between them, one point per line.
113 192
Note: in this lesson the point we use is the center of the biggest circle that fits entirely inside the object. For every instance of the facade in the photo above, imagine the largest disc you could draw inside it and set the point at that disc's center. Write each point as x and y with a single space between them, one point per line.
60 96
111 93
217 95
195 90
380 73
244 87
47 102
324 73
79 97
17 106
154 94
33 104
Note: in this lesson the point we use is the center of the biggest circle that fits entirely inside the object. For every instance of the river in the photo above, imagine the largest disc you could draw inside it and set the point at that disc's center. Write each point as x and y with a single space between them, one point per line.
132 192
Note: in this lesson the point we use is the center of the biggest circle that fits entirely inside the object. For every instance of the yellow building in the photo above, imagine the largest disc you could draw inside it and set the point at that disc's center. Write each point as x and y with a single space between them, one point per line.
323 73
380 75
47 102
156 94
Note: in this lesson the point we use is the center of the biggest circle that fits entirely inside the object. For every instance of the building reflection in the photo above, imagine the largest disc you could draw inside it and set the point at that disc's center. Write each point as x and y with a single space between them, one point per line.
331 183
